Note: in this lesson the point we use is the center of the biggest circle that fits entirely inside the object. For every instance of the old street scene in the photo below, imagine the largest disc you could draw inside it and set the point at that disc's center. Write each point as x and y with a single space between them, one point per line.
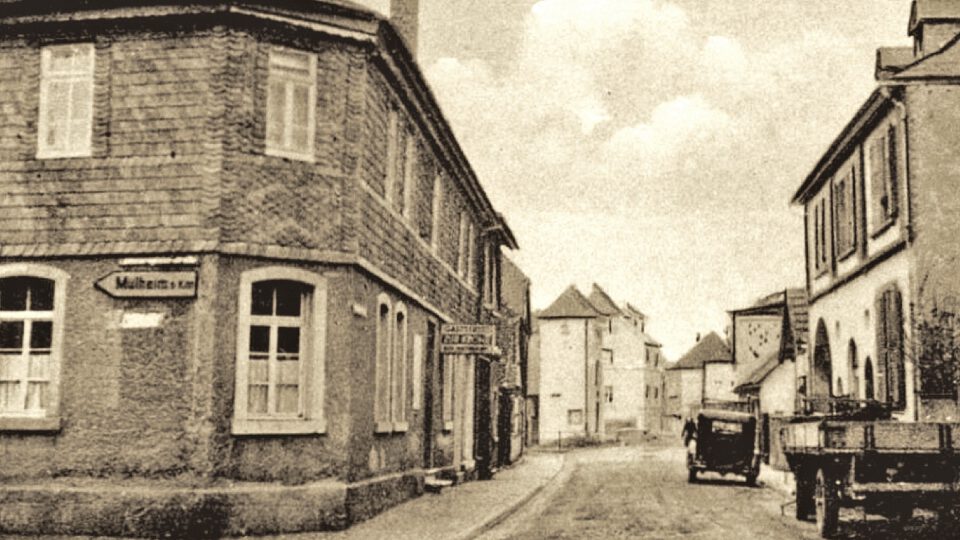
448 269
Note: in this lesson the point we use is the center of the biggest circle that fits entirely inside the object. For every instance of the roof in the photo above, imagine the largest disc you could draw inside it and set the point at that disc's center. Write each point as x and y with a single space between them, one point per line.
709 349
892 60
648 339
631 308
602 301
942 63
571 304
755 377
932 10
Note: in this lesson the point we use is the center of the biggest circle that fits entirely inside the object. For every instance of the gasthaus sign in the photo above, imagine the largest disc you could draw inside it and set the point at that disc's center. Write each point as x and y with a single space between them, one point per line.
149 284
468 339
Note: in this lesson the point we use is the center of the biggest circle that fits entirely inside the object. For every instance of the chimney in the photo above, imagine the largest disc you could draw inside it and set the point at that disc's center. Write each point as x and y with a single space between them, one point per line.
405 16
933 23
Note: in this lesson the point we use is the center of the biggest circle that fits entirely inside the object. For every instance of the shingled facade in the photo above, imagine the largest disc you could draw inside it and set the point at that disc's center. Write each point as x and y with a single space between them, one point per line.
287 161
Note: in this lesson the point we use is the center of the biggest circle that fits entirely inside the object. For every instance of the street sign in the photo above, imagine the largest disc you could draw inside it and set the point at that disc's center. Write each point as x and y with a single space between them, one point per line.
469 339
149 284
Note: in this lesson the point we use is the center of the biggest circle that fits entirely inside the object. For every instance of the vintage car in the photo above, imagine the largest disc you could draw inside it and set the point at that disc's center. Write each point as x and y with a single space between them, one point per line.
724 442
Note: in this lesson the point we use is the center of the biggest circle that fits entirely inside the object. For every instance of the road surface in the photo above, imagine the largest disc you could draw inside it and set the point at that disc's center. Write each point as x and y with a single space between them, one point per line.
635 492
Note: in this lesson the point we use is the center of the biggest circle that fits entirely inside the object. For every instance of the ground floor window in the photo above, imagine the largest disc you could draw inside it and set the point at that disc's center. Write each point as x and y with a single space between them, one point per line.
31 330
280 345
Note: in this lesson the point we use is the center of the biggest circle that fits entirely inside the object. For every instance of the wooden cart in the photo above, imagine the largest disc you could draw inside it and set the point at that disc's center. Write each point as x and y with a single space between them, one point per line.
886 467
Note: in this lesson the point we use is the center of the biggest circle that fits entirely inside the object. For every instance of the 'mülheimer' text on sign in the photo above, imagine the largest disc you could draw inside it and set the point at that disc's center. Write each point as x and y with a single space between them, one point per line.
148 284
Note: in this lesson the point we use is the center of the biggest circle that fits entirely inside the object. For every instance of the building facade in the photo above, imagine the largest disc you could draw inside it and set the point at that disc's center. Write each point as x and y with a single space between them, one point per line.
687 377
880 214
232 234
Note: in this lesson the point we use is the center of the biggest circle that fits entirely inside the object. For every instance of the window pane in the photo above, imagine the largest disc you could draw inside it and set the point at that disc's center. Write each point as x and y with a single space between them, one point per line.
57 104
61 59
288 372
259 339
288 298
276 107
41 294
13 294
257 371
36 396
41 335
262 303
301 105
288 340
8 367
288 399
257 399
39 366
299 140
11 336
8 396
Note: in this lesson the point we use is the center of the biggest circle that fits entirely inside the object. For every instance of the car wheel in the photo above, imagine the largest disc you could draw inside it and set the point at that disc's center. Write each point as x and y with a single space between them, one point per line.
752 480
827 502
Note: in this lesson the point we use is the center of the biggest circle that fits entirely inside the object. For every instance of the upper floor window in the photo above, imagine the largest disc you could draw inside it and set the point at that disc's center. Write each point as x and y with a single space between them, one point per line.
280 345
392 188
844 208
291 104
31 330
66 101
462 247
491 275
884 170
821 246
607 356
436 209
409 178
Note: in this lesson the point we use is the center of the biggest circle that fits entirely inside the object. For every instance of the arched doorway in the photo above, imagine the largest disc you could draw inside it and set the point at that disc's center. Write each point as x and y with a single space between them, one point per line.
868 392
853 367
821 385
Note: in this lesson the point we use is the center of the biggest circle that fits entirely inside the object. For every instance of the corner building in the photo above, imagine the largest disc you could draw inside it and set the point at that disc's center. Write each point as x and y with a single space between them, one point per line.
230 235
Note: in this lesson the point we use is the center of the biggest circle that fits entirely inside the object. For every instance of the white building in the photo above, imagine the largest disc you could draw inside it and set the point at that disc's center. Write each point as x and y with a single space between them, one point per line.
688 379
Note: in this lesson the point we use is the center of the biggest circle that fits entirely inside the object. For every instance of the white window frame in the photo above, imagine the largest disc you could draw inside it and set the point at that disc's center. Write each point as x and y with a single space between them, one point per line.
383 367
400 370
437 210
409 178
47 419
312 351
81 74
290 81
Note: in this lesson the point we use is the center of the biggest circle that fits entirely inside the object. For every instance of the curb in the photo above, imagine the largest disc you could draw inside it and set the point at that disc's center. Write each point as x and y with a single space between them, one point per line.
489 524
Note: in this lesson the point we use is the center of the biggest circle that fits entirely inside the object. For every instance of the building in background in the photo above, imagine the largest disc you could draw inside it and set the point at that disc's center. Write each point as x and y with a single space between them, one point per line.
686 378
232 235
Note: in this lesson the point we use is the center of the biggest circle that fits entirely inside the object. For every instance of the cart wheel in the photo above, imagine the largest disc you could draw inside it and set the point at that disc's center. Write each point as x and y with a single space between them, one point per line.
804 502
827 504
692 475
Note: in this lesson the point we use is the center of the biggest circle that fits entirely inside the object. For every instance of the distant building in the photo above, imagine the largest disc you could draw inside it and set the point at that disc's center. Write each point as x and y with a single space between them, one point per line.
687 379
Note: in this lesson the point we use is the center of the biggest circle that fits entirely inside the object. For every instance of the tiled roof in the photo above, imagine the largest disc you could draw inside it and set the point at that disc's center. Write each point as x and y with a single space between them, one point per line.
757 376
943 63
602 301
709 349
572 304
924 10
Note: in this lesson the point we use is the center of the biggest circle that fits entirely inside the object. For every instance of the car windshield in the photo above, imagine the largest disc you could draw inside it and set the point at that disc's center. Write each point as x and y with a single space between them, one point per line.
722 426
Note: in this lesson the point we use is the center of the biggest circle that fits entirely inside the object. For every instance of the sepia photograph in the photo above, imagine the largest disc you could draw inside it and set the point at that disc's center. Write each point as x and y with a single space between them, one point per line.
479 269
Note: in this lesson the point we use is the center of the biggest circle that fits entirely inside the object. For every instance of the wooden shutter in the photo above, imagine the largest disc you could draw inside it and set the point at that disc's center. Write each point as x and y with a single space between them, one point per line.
878 182
893 171
896 385
880 309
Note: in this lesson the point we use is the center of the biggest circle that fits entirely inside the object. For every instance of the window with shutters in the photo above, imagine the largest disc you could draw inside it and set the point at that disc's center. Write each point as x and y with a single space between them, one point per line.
31 334
821 246
280 346
884 170
844 208
291 104
66 101
891 374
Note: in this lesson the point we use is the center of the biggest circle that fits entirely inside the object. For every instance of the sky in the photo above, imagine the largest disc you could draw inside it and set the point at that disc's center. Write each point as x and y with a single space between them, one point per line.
653 146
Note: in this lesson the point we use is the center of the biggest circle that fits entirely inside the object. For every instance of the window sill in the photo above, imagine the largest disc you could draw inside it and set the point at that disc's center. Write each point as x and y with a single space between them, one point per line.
30 423
308 158
386 428
64 155
883 226
278 427
846 254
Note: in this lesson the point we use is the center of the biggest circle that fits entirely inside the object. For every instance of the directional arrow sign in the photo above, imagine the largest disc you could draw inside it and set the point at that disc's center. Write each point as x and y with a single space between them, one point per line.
134 284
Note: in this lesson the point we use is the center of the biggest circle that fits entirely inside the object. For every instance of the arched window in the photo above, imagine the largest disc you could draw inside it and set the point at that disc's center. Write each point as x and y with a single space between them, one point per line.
853 367
821 384
401 357
31 335
382 406
280 346
868 391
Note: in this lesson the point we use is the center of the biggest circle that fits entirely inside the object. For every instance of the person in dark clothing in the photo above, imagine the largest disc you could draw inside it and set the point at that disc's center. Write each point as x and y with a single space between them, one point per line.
689 431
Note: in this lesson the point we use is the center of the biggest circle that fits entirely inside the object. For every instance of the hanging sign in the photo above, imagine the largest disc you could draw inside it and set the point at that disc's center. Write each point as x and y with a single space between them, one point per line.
149 284
469 339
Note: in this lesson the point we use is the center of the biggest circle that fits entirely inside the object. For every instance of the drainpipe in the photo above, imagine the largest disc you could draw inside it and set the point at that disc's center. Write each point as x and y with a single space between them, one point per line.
586 376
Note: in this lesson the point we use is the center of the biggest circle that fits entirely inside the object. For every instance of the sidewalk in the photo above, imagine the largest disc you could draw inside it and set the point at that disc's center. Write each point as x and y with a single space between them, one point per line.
459 512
